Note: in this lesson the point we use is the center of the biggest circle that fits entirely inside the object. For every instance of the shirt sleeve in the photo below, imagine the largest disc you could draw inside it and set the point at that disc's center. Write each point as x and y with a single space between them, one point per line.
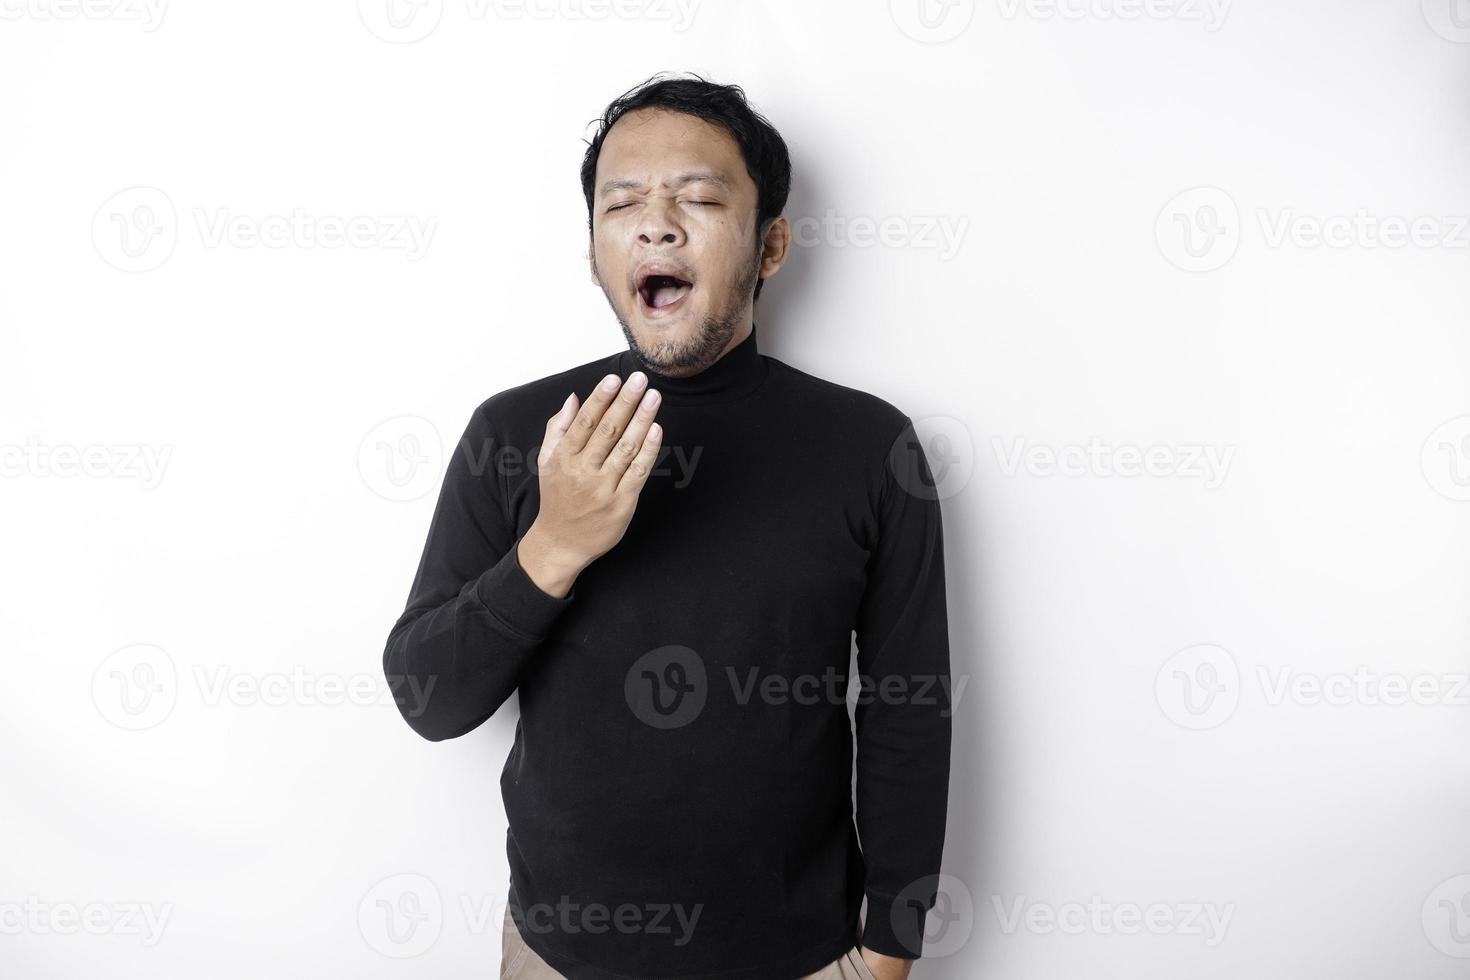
474 617
903 711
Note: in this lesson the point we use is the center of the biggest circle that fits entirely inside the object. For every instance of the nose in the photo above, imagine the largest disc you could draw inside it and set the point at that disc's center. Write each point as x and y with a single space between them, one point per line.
658 224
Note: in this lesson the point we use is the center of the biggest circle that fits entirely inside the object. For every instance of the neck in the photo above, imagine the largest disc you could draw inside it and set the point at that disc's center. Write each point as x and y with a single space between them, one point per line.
739 370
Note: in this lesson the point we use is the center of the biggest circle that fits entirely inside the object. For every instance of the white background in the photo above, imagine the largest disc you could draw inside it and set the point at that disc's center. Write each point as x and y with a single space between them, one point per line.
193 712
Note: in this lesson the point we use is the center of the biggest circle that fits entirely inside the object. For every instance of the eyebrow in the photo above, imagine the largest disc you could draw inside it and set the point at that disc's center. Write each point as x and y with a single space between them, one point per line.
677 180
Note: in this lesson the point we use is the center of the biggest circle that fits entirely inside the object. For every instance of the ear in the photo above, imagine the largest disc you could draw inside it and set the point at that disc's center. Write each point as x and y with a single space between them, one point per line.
775 246
592 262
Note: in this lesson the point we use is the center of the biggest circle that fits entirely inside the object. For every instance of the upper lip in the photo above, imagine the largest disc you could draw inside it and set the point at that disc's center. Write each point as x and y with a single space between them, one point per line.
661 268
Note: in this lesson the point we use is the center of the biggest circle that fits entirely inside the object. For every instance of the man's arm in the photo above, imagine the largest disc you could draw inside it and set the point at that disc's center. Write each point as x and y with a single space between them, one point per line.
903 713
482 602
474 614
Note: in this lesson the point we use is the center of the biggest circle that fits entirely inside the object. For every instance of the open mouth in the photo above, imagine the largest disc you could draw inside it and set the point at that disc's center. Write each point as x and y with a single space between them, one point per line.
662 292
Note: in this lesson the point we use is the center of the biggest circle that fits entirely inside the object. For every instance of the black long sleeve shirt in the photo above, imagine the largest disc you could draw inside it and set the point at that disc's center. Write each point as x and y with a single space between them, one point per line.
679 793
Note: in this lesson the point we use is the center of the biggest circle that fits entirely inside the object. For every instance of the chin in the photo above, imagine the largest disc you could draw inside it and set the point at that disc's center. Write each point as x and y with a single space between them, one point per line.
680 330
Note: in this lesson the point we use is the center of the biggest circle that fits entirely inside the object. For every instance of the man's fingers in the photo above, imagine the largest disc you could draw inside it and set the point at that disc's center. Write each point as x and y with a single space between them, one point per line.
556 427
614 419
642 464
631 442
585 422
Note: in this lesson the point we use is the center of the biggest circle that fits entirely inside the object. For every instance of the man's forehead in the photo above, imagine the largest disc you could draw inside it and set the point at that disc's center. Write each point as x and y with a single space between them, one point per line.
656 147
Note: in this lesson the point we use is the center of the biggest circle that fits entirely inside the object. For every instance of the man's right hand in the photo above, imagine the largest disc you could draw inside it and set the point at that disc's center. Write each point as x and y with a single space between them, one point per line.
593 464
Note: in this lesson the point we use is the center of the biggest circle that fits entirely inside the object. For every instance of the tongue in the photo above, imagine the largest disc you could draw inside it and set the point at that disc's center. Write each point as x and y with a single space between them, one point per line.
664 295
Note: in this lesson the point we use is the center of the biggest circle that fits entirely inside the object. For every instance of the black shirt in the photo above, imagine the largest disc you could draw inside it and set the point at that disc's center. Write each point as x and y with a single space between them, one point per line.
679 793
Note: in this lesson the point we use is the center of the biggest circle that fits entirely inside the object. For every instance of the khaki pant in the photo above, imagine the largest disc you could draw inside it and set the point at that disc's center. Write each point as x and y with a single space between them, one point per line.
519 962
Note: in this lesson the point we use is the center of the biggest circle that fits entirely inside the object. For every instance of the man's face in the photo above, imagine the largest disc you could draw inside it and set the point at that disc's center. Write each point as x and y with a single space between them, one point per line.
675 246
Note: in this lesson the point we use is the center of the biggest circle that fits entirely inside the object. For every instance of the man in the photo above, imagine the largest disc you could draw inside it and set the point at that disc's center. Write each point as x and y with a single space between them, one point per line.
675 602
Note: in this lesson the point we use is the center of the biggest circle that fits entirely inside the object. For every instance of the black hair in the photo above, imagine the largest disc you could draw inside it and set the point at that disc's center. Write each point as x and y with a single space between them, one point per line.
766 158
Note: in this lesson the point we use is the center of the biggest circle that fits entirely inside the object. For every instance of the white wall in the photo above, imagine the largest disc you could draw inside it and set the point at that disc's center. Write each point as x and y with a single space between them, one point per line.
270 794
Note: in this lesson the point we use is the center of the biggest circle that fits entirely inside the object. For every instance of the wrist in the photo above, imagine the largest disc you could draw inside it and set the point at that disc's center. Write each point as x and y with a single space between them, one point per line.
547 565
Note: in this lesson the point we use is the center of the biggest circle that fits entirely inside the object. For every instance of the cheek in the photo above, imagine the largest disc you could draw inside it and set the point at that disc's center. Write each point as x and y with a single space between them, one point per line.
611 258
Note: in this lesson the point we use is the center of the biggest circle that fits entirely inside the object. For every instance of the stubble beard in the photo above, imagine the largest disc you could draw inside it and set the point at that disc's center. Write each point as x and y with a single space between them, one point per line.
677 360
